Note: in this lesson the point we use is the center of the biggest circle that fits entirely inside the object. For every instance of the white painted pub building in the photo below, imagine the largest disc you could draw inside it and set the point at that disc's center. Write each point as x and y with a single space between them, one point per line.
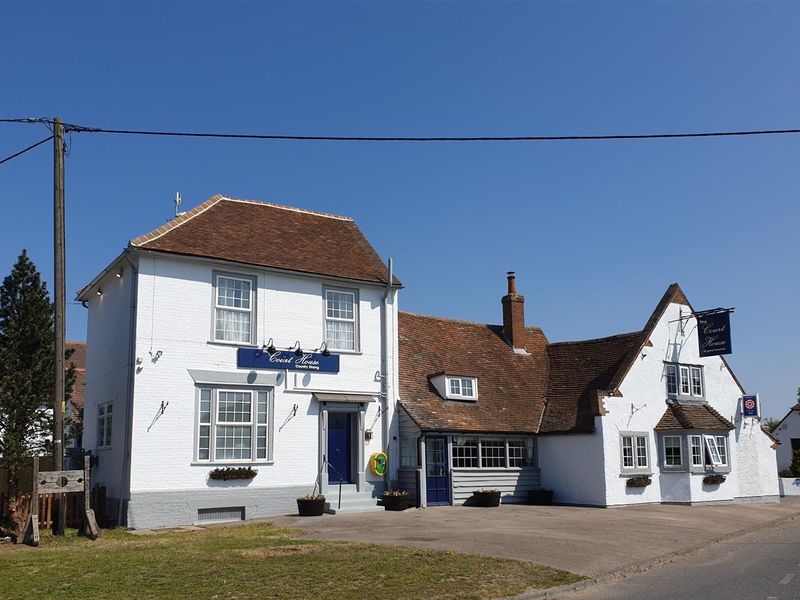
183 330
266 338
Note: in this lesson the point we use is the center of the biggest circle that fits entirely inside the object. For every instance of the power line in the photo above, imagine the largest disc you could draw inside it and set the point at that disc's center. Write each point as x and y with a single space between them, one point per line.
23 151
75 128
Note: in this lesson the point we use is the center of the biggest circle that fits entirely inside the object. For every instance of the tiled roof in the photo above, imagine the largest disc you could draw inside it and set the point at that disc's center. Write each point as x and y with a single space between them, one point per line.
578 370
78 360
692 416
511 386
270 235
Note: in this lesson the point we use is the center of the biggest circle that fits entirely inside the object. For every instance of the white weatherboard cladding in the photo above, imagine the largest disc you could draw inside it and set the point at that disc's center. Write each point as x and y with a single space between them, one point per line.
107 373
643 403
789 428
175 313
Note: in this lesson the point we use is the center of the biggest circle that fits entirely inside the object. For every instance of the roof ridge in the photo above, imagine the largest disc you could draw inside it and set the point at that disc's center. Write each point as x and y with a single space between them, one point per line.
448 319
213 201
288 207
600 339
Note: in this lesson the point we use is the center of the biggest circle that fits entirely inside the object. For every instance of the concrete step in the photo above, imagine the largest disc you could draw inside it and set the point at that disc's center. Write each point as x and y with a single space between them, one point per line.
351 503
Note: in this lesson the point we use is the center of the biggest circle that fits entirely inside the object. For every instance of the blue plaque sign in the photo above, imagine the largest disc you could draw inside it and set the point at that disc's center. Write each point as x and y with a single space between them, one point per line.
714 333
749 406
256 358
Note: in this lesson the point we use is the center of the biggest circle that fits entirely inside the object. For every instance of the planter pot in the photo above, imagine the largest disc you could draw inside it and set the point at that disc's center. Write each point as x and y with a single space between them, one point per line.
395 502
486 499
540 497
313 507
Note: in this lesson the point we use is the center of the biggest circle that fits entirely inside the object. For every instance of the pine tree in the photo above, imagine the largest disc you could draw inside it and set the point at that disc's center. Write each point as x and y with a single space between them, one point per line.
26 371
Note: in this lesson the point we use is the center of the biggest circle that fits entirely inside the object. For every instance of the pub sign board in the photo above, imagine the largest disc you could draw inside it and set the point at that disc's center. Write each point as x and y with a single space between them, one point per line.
256 358
714 333
750 406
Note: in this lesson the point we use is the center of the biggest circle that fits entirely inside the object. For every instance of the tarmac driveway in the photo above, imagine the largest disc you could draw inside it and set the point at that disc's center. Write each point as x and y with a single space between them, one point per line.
589 541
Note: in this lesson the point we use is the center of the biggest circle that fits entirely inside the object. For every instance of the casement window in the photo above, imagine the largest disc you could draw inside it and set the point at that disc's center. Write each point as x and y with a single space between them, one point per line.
672 451
492 453
341 319
462 387
709 450
685 381
234 425
408 452
634 452
105 414
234 308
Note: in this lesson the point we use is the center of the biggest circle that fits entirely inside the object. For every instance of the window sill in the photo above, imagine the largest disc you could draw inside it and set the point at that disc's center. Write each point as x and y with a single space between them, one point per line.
629 472
350 352
709 471
234 344
233 463
494 468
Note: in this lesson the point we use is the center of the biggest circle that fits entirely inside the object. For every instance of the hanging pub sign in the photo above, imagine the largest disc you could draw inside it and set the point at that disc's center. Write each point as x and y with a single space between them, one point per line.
714 332
750 406
256 358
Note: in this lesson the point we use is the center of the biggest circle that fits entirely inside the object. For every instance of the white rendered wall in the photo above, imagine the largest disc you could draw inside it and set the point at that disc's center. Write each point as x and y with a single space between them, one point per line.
789 428
572 466
642 405
175 317
107 374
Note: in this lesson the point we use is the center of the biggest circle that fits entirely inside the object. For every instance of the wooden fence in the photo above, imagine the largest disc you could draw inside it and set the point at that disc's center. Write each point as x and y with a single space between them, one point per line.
74 507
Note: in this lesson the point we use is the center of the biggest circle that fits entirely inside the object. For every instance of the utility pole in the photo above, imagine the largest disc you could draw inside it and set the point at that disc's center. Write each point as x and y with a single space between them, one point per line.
60 310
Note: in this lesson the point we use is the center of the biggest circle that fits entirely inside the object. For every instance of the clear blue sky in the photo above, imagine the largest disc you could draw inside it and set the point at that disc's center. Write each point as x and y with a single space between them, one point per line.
595 230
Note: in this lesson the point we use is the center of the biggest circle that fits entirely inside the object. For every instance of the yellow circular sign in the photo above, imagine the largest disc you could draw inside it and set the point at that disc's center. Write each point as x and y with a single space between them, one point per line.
378 463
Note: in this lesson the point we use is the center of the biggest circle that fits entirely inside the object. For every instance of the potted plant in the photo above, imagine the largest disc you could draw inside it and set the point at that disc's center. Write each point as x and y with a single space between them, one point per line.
639 481
231 473
486 498
714 479
395 499
311 505
540 497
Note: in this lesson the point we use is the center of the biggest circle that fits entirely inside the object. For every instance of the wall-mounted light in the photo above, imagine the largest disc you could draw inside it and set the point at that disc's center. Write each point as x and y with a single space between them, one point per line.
324 348
99 291
269 347
298 351
119 274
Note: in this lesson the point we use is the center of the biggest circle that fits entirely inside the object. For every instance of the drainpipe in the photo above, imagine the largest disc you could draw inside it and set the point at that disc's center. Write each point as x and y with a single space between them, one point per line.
125 477
385 343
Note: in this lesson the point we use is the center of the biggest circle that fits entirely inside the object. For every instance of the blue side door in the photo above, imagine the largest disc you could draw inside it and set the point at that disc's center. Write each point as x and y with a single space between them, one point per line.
338 447
437 473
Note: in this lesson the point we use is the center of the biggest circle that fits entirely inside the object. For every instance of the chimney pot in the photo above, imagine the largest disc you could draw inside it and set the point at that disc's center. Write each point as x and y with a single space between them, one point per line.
512 282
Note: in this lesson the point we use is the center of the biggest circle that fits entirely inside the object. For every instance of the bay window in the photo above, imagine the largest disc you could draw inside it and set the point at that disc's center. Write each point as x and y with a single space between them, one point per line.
684 381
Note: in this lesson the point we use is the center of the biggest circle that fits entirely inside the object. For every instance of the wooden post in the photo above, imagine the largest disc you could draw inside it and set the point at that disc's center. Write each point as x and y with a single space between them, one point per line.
60 310
31 532
90 524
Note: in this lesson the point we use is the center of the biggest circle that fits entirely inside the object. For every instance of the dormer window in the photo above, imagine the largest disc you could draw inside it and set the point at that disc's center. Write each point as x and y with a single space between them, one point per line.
462 388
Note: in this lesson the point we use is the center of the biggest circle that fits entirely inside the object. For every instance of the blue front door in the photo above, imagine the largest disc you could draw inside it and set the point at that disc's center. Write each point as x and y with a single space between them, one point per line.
338 447
437 477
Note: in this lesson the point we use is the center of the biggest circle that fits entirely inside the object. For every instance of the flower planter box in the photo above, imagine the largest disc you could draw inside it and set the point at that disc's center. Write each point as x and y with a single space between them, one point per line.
486 498
395 501
311 507
232 473
540 497
638 481
714 479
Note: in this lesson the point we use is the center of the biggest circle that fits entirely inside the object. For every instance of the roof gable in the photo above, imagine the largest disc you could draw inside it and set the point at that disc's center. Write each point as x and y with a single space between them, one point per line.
270 235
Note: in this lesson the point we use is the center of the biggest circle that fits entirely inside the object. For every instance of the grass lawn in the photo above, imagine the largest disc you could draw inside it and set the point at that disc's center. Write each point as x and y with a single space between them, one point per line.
254 561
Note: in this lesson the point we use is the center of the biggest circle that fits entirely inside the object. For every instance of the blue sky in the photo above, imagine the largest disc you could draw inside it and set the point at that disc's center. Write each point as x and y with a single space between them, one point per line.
596 231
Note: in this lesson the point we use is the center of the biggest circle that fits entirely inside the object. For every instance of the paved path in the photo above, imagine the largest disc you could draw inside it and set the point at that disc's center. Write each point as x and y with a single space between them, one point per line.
589 541
764 565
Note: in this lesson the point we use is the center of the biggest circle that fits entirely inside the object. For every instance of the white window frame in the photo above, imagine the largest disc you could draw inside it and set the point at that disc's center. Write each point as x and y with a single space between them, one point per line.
255 422
355 320
722 447
640 454
680 450
696 441
105 418
713 450
460 395
252 281
686 379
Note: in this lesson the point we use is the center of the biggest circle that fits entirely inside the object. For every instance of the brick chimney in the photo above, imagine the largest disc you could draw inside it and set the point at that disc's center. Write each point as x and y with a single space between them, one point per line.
514 314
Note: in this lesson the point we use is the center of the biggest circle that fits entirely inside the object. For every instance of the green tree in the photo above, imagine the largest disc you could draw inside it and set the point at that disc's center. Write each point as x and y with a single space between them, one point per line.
26 374
771 424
